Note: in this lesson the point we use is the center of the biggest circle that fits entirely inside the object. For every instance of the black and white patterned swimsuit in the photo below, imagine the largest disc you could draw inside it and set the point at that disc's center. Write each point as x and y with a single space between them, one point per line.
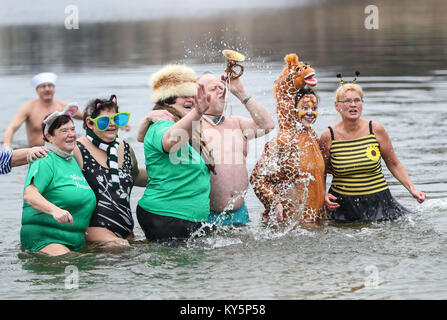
112 206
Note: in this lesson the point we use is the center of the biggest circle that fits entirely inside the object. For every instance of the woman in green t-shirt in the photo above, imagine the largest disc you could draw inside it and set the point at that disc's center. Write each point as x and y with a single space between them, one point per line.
176 202
58 202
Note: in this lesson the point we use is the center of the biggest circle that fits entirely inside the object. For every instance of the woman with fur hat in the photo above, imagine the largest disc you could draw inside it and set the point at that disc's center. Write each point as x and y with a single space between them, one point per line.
176 200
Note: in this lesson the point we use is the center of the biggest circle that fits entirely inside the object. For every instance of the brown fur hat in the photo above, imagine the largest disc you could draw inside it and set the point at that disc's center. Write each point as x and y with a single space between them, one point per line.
173 81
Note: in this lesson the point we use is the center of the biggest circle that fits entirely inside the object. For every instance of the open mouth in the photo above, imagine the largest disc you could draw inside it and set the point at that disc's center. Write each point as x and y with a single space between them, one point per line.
309 118
310 80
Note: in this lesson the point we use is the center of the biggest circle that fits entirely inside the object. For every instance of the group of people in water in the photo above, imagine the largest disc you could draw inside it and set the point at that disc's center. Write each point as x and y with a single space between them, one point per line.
195 175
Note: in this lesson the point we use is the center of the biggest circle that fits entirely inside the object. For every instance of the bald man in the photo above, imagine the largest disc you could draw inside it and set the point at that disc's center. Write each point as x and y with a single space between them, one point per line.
227 137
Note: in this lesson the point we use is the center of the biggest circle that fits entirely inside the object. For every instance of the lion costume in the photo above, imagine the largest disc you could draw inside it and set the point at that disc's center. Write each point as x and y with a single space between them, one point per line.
291 169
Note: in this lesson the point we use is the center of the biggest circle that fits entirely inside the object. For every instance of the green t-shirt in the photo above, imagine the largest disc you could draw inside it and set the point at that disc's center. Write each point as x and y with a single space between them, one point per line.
62 183
179 183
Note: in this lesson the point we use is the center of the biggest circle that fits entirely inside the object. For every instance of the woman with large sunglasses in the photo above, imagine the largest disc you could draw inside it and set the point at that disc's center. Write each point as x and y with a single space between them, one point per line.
352 150
111 169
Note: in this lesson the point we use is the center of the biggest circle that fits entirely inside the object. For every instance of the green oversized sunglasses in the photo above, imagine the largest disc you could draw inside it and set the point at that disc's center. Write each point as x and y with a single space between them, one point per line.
120 119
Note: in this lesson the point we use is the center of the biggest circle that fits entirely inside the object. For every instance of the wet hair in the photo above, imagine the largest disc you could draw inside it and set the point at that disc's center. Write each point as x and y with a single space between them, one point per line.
303 92
348 87
95 106
59 122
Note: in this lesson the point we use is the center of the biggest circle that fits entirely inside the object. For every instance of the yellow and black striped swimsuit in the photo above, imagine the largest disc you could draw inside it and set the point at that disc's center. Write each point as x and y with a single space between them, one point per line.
356 165
358 182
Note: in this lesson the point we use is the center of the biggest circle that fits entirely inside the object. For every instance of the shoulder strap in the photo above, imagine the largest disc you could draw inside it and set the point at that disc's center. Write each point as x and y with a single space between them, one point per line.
126 145
81 147
87 157
370 127
332 133
127 153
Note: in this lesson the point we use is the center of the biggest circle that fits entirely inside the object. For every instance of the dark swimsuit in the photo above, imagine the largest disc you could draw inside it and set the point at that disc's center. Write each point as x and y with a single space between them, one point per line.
112 206
161 228
358 181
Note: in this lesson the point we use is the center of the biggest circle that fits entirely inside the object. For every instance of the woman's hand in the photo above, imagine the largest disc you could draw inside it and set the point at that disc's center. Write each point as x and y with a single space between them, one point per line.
201 100
418 195
62 216
33 197
329 201
36 152
279 212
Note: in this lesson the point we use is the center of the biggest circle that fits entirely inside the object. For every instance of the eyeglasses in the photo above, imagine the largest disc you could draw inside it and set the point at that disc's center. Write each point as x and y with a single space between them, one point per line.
119 119
46 85
349 101
67 130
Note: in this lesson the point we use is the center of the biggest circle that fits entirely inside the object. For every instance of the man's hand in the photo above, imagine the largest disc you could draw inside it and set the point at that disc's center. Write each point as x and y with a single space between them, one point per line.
201 100
236 87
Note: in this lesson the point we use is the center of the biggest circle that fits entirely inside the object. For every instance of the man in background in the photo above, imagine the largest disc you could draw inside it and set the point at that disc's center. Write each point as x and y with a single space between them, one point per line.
33 112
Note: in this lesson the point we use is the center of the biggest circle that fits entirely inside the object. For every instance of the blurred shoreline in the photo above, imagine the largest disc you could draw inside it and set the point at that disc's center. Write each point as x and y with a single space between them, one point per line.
411 39
50 12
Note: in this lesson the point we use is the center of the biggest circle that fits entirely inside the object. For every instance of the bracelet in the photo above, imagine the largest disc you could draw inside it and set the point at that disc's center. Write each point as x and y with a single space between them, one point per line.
246 100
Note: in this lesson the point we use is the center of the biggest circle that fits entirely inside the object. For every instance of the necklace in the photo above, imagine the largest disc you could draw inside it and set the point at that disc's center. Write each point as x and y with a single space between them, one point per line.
216 119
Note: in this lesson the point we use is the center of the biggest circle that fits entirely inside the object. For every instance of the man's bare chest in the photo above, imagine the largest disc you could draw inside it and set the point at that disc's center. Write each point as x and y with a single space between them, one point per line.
35 119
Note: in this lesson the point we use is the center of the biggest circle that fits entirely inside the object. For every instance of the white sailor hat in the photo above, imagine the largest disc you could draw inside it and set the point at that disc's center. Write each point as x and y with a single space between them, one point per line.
44 77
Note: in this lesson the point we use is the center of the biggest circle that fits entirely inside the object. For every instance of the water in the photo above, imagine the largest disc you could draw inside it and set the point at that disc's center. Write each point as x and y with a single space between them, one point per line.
404 75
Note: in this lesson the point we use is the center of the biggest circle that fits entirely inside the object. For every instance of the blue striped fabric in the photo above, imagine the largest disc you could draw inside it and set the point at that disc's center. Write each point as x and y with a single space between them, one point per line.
5 162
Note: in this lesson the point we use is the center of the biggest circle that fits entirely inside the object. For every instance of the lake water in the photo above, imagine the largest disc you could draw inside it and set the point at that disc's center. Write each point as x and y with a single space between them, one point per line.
403 69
